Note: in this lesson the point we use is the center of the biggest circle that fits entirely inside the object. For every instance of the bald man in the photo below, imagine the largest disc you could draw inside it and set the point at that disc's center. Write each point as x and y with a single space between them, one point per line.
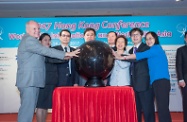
31 69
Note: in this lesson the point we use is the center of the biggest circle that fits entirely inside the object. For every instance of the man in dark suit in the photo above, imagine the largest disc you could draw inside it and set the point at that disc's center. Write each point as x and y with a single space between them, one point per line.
181 68
140 79
89 35
67 75
31 69
111 37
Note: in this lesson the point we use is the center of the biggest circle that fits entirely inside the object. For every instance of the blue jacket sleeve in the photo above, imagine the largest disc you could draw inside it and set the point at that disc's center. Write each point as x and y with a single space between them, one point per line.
153 51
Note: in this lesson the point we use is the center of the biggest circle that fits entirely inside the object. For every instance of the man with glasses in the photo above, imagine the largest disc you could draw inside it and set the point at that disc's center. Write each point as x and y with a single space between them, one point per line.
67 75
140 79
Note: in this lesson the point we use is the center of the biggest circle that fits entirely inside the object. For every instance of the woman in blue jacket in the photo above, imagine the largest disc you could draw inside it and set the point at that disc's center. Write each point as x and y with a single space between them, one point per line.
158 71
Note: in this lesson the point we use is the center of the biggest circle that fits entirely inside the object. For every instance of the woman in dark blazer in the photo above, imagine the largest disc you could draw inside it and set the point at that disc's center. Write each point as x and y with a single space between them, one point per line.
45 94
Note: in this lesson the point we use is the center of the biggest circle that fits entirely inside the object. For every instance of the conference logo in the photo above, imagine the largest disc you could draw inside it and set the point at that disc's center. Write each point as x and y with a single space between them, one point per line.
181 28
1 32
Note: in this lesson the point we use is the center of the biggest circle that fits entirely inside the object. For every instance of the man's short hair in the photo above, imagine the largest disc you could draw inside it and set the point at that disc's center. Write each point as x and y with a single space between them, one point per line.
112 32
90 29
60 34
185 34
136 29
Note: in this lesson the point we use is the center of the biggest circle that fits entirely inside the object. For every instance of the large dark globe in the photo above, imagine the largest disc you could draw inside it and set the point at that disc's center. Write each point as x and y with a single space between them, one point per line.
95 62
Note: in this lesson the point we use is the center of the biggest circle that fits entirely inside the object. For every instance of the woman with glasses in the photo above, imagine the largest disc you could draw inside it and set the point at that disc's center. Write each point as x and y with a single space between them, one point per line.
158 71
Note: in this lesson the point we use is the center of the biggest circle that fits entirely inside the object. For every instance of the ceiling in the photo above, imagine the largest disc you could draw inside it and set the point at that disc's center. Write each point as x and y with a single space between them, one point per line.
57 8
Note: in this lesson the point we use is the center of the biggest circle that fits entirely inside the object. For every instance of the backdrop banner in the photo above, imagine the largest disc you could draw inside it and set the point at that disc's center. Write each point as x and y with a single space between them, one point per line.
170 30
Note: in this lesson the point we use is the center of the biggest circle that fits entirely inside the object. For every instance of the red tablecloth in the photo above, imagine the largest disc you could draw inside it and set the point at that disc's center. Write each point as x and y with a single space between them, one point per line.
103 104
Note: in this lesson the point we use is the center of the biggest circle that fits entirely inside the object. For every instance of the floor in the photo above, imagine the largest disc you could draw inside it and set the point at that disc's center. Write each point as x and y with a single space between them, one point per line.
176 117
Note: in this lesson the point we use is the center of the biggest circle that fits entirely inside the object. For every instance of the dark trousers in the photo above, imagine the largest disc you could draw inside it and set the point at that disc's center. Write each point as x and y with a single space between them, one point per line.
145 103
184 101
65 81
161 89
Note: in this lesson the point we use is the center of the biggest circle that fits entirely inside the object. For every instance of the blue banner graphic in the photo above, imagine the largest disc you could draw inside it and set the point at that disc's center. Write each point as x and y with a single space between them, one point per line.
169 28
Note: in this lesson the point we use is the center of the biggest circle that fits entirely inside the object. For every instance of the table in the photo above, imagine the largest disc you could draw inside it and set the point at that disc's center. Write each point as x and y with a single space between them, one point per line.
101 104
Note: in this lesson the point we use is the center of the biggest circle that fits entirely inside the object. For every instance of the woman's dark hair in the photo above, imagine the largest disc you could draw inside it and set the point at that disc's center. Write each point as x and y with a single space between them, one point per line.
154 35
43 35
125 40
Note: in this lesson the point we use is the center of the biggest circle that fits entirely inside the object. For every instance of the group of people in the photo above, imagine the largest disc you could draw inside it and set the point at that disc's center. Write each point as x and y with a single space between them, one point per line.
41 68
149 76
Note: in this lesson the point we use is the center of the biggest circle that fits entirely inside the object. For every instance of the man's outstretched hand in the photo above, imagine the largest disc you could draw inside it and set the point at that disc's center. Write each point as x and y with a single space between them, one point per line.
69 55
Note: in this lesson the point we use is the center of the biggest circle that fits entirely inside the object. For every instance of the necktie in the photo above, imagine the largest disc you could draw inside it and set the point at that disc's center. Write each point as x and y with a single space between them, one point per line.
132 64
135 49
69 62
65 49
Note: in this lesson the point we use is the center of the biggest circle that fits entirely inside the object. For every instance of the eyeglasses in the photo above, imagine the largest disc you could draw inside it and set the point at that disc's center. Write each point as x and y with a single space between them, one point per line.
63 35
135 35
149 39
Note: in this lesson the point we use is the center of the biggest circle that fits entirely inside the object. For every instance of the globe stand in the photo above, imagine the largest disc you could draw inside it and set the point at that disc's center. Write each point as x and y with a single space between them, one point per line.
94 82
